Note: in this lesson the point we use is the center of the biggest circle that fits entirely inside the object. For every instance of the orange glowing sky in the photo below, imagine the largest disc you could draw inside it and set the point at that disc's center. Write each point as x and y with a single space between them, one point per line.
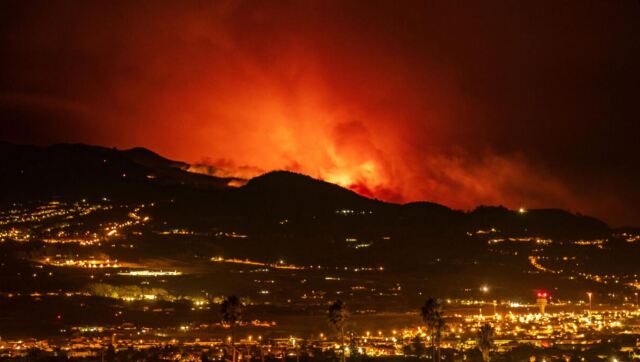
483 104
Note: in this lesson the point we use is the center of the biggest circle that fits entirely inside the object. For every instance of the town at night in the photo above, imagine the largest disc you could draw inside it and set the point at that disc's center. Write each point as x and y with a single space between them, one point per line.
332 181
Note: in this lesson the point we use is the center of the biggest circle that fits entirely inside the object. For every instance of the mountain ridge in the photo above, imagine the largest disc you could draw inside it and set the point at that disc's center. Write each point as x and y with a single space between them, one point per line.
63 170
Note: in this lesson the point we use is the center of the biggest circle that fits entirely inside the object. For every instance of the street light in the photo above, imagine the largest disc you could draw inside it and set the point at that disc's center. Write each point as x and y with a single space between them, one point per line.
589 294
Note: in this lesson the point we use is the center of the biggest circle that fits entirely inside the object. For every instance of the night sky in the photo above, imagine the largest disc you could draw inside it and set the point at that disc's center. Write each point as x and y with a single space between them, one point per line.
532 104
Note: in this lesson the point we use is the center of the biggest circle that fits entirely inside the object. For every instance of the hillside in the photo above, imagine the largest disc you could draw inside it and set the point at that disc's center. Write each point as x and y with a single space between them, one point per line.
80 171
288 216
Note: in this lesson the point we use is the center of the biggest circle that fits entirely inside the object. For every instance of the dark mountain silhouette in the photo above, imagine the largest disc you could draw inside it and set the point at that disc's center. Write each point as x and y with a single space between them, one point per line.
76 170
540 222
151 159
283 192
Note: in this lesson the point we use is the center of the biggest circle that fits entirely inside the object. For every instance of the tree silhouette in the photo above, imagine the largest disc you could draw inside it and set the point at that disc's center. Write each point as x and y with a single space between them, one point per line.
417 345
231 311
338 316
431 313
485 340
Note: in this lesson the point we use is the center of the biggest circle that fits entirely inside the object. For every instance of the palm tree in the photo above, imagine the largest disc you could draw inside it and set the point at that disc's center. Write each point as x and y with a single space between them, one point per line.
485 340
431 313
437 337
231 311
338 316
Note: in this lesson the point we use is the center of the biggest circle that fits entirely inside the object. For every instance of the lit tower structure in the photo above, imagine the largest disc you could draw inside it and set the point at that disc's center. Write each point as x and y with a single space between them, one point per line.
541 301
